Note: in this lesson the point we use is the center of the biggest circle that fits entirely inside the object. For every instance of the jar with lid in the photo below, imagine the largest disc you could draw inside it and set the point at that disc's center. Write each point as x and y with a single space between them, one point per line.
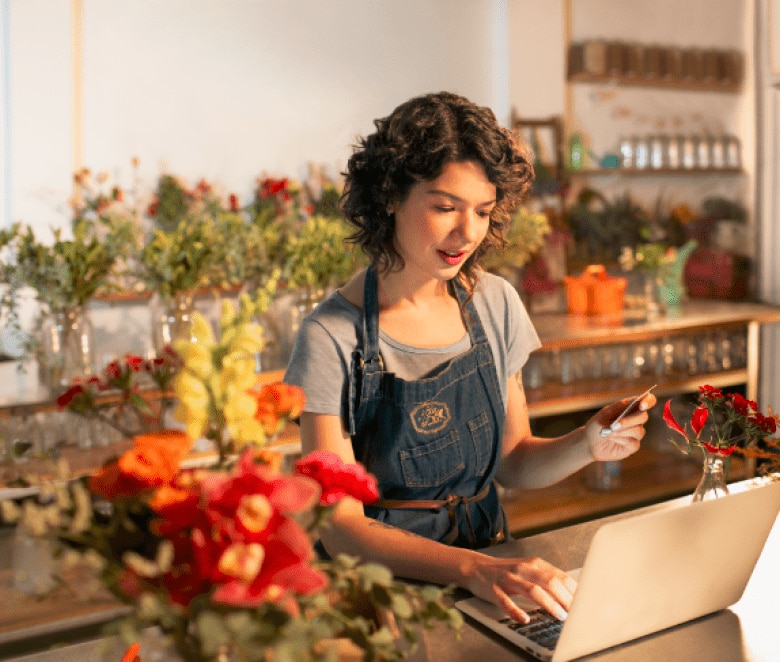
641 153
658 152
702 152
717 152
673 152
687 152
626 147
732 156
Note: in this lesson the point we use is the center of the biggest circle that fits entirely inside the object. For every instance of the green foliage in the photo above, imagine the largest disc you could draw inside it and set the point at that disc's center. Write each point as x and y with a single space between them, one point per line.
602 228
524 238
69 272
317 256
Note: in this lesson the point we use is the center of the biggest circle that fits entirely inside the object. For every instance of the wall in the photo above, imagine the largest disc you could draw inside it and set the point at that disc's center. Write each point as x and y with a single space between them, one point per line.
605 113
226 91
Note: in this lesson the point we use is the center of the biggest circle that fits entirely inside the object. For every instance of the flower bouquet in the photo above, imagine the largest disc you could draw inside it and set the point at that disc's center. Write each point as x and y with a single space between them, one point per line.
134 409
721 424
219 559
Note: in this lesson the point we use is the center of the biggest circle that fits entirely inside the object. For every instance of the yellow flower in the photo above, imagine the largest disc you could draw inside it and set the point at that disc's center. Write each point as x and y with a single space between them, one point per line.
189 388
228 316
247 431
197 359
248 341
201 329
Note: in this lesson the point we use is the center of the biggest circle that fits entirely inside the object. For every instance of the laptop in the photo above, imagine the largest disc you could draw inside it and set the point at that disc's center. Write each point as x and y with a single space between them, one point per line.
648 572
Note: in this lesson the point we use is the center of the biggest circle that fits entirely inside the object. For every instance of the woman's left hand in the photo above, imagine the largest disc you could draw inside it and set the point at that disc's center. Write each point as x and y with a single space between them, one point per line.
627 435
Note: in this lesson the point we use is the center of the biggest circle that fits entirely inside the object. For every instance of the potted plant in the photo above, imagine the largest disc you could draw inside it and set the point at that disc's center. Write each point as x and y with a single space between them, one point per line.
68 272
196 241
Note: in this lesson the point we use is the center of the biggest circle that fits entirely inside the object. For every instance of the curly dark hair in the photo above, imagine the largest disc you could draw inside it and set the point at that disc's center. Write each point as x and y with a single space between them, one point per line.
414 144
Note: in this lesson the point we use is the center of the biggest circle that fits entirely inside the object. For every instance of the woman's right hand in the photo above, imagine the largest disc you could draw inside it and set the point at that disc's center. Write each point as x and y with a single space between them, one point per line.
497 580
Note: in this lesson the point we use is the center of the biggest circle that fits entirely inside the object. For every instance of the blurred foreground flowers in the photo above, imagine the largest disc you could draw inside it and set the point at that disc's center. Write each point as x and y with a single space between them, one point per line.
221 558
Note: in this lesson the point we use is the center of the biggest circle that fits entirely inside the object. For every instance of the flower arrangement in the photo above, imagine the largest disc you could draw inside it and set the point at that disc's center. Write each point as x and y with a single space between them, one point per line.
721 422
216 388
220 559
197 239
305 233
134 409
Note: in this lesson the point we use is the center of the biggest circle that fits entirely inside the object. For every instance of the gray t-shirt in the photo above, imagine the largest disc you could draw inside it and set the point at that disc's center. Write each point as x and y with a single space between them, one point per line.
322 353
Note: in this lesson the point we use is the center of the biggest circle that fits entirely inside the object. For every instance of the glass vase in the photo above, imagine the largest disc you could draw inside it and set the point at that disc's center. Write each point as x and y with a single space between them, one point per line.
67 347
173 322
713 479
303 302
651 295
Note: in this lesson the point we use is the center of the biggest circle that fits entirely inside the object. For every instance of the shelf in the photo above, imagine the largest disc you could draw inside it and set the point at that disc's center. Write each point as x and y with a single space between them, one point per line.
555 399
651 172
657 83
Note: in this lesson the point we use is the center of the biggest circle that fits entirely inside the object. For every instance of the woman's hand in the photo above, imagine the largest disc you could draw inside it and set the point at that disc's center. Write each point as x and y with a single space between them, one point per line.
628 433
497 580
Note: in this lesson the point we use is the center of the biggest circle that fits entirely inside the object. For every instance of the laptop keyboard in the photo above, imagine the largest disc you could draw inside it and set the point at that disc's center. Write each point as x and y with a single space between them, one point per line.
543 629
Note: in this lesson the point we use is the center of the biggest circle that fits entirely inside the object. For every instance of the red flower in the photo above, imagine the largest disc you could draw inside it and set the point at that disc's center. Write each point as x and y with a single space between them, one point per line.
699 418
717 450
273 187
135 363
113 370
710 392
671 422
66 398
742 405
234 206
338 479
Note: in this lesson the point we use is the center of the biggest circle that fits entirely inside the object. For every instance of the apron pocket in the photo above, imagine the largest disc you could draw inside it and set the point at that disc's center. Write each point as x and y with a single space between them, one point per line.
482 438
434 463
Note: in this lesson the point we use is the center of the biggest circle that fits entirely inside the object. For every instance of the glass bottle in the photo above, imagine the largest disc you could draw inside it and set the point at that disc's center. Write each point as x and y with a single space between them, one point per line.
576 153
713 479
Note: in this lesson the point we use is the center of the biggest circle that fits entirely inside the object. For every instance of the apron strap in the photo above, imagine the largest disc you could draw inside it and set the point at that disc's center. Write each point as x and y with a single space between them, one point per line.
451 503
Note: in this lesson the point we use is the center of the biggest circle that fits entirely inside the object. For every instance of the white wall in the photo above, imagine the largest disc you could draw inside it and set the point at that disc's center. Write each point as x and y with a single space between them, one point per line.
228 90
39 150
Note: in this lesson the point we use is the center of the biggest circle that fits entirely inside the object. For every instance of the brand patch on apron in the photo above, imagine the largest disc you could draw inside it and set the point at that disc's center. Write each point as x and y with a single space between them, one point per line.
430 417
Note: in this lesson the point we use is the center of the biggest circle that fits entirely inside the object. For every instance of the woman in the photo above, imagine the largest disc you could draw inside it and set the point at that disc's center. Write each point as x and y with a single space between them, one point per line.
413 368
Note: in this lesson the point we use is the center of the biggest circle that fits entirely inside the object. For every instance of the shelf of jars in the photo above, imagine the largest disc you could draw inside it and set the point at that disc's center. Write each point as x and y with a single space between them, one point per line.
650 172
656 82
586 362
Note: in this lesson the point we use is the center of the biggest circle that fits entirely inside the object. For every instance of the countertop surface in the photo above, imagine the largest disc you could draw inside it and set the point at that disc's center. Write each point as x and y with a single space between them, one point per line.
745 632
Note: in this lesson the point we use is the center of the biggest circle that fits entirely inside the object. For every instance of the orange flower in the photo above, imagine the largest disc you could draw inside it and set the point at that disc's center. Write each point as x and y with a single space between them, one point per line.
132 653
276 402
153 461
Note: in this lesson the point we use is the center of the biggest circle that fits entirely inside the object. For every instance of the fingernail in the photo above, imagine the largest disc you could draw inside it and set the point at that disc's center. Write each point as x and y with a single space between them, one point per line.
561 614
615 426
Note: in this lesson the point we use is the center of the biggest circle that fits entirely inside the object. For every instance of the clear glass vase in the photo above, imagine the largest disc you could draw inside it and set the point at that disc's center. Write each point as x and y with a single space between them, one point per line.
67 347
713 479
173 321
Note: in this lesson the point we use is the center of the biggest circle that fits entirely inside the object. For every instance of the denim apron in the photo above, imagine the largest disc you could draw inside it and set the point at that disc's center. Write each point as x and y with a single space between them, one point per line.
433 444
